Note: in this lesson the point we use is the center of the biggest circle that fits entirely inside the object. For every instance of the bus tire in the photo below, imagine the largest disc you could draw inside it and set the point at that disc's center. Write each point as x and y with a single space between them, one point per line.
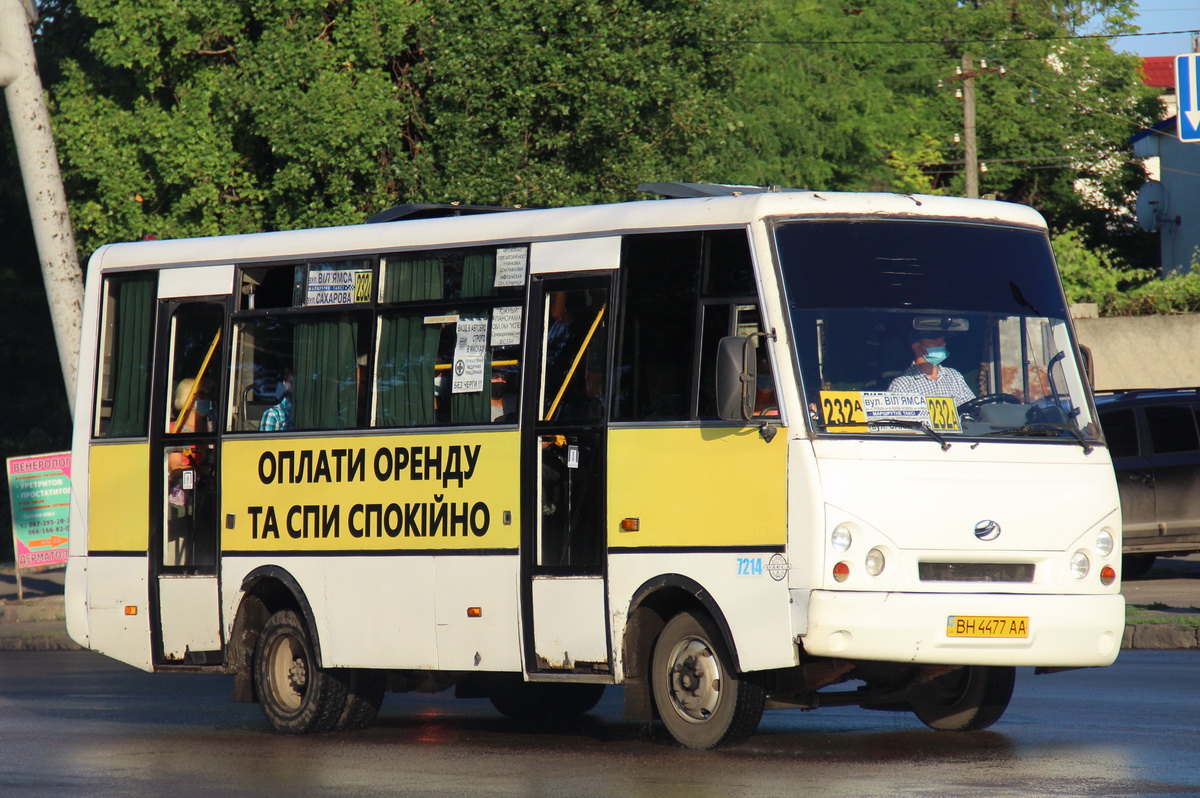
967 699
532 702
700 698
297 695
364 696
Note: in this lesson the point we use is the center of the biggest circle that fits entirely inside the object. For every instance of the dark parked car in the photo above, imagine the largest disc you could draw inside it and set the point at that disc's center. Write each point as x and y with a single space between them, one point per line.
1155 445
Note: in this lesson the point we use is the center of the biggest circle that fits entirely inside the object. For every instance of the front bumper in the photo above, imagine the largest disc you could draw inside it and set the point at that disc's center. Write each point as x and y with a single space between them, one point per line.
1064 631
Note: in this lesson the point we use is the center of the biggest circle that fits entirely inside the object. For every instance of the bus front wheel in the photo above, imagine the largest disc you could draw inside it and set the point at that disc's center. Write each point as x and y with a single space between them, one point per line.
296 694
966 699
699 696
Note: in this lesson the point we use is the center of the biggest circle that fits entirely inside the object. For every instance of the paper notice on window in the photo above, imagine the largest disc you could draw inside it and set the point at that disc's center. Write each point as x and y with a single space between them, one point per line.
884 406
506 326
511 265
470 354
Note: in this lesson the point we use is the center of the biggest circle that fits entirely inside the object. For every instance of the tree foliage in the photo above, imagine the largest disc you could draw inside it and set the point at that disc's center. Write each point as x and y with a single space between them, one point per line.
862 96
1094 274
185 117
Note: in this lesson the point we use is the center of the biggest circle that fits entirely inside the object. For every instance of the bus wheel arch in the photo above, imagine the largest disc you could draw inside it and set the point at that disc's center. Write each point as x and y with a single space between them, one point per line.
653 605
265 591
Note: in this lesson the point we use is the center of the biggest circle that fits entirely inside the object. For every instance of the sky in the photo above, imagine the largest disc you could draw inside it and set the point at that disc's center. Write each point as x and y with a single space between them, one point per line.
1160 15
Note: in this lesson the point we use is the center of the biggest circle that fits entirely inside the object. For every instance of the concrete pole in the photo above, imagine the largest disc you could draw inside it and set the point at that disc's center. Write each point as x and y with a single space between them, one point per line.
43 184
970 148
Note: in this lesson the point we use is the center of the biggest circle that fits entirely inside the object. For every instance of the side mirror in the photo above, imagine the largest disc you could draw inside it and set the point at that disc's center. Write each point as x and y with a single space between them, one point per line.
1089 365
737 376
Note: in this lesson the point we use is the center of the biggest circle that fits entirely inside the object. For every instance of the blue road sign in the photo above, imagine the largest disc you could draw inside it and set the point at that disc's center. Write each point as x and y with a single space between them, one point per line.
1186 69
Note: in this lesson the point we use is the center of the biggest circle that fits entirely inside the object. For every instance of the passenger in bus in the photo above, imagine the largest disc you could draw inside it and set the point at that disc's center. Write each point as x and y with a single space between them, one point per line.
193 409
927 376
278 417
189 473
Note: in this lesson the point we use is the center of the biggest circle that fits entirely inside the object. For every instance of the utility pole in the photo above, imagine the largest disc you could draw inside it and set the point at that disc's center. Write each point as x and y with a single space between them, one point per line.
970 148
43 183
966 72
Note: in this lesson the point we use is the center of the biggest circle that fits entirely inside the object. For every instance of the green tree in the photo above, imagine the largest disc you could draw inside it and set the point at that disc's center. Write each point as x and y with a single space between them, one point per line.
862 95
1091 274
565 101
185 117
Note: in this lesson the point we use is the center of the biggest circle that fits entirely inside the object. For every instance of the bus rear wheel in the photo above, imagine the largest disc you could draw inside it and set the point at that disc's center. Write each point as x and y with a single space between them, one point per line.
297 695
966 699
699 696
364 696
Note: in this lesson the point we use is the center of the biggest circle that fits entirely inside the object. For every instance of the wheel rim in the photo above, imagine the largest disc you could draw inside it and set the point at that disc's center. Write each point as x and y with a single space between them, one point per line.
694 680
288 669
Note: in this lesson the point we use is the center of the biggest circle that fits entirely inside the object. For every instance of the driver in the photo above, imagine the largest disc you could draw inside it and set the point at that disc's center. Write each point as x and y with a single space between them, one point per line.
927 376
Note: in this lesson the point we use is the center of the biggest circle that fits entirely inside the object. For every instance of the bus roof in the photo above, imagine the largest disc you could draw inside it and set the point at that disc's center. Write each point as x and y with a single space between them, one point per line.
574 222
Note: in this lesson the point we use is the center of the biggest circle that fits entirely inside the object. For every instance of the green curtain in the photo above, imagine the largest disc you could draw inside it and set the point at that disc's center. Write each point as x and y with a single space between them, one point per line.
325 393
410 278
479 274
408 349
133 331
408 346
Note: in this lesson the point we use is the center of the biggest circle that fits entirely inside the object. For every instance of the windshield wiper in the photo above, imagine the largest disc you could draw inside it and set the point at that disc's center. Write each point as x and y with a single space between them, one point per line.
917 425
1044 427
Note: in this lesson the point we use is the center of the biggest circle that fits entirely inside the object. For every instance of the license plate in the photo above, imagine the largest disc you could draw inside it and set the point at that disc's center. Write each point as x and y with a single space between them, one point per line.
987 626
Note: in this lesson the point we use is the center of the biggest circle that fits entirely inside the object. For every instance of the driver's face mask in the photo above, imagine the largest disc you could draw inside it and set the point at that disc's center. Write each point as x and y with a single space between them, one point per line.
935 354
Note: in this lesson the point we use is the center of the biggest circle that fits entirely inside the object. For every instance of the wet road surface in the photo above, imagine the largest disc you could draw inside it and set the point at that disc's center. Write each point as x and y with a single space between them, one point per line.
77 723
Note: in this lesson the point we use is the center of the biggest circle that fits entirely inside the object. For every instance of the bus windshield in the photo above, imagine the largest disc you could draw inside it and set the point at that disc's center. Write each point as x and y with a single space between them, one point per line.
935 328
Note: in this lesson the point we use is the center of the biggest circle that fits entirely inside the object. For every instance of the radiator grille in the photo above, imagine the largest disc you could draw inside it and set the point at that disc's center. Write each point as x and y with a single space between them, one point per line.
975 572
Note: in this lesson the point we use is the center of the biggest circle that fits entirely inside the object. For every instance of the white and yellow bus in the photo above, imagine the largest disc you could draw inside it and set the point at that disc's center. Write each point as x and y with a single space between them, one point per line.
672 445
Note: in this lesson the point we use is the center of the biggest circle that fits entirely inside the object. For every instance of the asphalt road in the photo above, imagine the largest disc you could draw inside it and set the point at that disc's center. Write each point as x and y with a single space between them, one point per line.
76 723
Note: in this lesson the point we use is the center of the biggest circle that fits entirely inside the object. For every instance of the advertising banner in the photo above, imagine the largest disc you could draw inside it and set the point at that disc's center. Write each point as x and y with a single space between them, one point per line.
39 490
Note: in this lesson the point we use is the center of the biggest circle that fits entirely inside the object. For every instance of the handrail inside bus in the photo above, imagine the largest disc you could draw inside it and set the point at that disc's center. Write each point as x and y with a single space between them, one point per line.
495 364
191 397
587 339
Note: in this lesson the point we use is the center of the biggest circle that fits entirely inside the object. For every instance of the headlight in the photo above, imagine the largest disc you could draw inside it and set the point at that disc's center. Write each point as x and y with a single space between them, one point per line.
1104 542
875 562
1080 564
840 539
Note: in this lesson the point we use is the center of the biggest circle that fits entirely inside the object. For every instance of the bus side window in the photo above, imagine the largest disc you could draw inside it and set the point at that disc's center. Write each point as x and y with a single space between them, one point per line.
675 287
439 362
262 365
730 307
656 350
127 330
300 373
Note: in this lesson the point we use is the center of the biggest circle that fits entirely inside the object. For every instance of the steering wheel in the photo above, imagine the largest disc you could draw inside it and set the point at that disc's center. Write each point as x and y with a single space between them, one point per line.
970 407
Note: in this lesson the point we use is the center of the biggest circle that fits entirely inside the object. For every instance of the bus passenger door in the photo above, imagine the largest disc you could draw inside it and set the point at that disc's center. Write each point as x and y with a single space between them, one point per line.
185 452
564 454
